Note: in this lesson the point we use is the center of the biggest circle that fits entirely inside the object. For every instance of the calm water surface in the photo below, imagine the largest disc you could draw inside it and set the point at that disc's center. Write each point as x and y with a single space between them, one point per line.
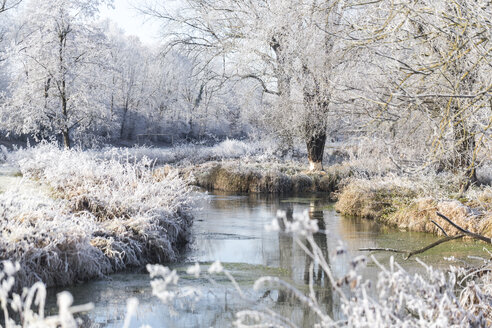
231 228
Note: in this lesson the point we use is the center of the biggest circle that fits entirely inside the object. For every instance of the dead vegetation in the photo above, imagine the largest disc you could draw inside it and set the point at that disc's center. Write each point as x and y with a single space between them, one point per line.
411 204
265 177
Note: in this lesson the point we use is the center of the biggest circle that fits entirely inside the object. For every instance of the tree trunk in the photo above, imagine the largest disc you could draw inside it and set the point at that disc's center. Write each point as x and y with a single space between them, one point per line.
65 129
464 149
63 95
315 149
283 126
123 121
464 155
66 138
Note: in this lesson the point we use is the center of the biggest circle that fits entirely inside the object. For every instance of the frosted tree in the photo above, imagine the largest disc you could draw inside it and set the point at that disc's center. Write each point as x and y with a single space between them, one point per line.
129 84
288 48
8 4
5 5
5 22
184 101
58 64
435 58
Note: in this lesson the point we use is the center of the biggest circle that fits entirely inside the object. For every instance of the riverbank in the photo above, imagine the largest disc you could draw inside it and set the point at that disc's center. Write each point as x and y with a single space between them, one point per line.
100 211
411 203
89 216
264 177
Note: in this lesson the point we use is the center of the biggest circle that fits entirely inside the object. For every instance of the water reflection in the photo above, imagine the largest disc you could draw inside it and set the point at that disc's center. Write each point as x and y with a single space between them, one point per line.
230 228
298 265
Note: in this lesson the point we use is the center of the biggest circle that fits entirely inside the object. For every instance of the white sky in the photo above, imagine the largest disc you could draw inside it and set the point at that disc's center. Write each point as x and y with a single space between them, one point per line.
131 21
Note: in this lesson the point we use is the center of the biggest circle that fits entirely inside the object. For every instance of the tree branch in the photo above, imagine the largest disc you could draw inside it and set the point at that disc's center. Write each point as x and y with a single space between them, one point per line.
409 254
263 84
414 252
466 232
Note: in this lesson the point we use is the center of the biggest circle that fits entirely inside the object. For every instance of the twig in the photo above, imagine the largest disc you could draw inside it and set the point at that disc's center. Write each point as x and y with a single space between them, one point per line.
444 232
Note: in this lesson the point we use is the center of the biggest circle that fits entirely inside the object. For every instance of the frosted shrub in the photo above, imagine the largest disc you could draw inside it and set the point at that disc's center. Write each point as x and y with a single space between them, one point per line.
108 214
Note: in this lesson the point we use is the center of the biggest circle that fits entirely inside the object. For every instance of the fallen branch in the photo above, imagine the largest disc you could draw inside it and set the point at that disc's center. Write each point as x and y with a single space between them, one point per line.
414 252
382 249
409 254
466 232
434 244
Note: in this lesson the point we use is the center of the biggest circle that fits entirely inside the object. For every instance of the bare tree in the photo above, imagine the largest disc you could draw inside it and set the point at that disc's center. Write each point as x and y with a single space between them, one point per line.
57 87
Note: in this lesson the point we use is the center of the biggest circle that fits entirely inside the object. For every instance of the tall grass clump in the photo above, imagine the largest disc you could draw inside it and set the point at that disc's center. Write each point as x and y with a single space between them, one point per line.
50 243
104 215
264 177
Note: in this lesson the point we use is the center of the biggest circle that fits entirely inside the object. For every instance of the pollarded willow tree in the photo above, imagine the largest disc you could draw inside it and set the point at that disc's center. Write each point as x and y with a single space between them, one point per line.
57 66
287 47
437 62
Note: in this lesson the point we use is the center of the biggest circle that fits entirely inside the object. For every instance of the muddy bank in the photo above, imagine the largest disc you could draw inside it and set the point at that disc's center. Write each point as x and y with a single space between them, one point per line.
411 205
241 177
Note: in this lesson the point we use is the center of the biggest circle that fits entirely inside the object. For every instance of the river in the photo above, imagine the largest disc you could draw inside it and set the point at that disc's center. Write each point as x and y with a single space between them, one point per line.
231 228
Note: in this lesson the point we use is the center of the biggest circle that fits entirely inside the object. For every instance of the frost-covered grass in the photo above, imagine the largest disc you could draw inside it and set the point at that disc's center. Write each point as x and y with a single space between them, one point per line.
259 150
186 154
411 203
99 216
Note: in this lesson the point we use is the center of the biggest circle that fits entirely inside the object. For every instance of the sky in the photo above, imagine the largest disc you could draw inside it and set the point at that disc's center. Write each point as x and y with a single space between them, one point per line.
131 21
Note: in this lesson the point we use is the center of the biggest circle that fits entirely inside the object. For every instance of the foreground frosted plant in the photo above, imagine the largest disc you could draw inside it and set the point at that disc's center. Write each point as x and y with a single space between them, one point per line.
164 286
27 309
457 298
